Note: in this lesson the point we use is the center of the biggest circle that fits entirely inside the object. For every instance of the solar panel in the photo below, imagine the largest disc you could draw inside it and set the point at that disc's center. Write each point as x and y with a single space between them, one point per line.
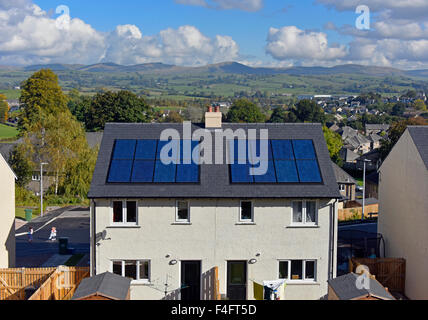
269 176
146 150
120 171
289 161
304 149
187 173
309 171
282 150
143 171
124 150
238 151
286 171
164 173
240 173
139 161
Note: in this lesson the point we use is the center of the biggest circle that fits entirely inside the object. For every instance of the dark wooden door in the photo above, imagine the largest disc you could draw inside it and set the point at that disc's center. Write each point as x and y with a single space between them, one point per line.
191 280
237 280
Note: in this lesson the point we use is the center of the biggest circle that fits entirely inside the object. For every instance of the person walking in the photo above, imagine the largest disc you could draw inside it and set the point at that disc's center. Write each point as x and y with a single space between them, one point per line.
30 234
52 237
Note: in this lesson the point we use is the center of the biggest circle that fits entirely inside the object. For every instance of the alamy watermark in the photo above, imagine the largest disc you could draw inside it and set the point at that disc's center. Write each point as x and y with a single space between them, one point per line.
63 21
363 21
211 147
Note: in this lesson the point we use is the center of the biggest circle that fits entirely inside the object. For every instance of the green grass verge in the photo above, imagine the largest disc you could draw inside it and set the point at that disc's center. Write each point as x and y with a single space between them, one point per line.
7 132
20 213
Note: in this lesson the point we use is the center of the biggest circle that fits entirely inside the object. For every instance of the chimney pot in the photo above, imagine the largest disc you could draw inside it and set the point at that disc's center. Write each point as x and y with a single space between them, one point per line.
210 109
217 109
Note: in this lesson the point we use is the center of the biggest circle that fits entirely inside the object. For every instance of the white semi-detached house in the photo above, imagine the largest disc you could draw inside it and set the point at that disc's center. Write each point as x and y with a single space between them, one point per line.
7 215
173 224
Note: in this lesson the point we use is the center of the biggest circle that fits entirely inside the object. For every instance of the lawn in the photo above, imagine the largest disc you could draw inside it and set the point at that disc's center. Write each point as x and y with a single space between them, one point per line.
7 132
20 213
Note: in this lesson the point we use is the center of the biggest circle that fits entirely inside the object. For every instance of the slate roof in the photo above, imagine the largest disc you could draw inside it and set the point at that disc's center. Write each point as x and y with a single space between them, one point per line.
419 136
108 285
342 176
346 289
214 179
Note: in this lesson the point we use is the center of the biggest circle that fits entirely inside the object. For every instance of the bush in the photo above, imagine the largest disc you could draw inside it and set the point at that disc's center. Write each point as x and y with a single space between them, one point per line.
57 200
24 197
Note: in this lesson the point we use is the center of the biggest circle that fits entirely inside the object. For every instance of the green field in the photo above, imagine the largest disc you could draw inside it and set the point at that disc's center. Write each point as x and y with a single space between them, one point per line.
11 94
7 132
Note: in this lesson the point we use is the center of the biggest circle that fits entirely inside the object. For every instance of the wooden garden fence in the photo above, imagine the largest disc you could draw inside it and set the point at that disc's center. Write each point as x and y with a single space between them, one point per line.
51 283
390 272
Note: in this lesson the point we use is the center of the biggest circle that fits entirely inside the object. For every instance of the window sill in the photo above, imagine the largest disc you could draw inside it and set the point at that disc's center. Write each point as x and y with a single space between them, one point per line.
302 226
124 226
178 223
140 283
302 282
243 223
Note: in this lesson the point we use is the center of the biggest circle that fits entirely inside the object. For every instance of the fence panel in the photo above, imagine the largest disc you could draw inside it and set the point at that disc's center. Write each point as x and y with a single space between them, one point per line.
390 272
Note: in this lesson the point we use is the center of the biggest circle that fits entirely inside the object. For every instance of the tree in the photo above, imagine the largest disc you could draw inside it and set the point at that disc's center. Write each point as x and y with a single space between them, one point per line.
420 105
174 117
41 95
309 111
4 109
22 167
279 115
334 144
122 107
399 109
78 105
395 132
245 111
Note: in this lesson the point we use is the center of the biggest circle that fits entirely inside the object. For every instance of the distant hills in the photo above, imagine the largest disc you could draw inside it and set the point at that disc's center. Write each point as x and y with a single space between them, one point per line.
227 68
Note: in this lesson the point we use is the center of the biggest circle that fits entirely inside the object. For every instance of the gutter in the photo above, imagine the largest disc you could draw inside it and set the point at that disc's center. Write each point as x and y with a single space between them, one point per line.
332 237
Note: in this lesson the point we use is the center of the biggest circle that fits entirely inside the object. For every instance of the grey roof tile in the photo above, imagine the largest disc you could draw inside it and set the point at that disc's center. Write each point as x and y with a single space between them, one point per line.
107 284
419 135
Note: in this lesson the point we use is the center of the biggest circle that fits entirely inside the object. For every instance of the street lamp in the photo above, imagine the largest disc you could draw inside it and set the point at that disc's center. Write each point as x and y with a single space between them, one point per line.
364 187
41 187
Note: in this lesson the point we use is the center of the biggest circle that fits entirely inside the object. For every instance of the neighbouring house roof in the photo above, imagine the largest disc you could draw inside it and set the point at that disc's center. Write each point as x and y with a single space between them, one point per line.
94 138
369 201
214 181
377 127
348 155
346 289
342 176
419 136
374 137
108 285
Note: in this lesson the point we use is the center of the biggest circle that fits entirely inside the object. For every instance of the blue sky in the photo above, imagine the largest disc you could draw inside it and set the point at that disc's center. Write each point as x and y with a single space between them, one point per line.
196 32
248 29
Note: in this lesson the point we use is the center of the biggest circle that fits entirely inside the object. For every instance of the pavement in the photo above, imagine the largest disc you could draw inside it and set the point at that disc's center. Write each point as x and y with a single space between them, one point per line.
71 222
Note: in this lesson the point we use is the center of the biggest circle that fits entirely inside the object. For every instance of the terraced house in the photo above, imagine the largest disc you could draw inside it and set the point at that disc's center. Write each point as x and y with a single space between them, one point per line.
168 226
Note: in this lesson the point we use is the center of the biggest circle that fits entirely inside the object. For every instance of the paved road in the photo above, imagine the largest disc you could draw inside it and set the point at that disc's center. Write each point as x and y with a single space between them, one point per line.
72 223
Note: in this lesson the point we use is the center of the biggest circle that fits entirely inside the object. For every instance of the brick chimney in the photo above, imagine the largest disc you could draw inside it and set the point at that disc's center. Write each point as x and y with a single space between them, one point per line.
213 120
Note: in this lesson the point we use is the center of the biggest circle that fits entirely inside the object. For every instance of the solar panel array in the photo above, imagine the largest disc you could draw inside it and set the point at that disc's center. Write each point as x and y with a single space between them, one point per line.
289 161
139 161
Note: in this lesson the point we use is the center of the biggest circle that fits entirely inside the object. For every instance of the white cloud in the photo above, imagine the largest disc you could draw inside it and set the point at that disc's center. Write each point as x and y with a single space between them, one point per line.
245 5
29 36
290 43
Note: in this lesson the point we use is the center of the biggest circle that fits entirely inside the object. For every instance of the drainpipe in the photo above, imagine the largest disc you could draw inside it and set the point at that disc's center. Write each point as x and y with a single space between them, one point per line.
94 240
332 237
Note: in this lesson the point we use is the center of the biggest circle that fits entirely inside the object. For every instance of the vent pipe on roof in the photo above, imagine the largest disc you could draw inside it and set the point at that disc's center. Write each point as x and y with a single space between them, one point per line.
213 120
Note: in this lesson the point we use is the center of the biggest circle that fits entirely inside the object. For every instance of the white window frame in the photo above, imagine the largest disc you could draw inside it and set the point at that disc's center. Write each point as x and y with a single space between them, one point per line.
252 212
139 261
304 222
304 280
124 213
177 220
35 177
342 187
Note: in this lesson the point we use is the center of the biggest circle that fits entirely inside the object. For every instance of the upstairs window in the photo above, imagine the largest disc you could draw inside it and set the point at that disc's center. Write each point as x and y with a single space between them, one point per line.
305 212
183 212
125 212
247 211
